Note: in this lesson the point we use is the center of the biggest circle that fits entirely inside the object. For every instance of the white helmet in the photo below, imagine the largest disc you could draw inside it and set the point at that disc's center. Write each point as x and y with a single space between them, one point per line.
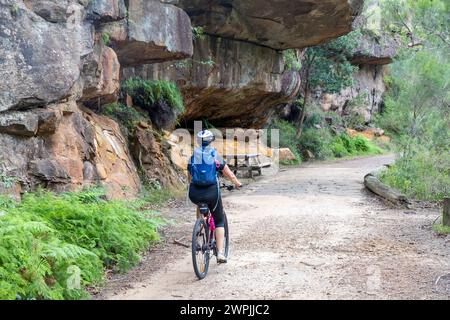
205 137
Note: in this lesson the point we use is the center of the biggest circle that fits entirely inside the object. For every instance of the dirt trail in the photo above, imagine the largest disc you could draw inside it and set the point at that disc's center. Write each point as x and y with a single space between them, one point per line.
306 233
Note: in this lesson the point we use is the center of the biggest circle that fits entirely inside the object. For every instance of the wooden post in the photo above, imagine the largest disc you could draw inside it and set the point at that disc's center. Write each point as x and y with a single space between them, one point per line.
446 213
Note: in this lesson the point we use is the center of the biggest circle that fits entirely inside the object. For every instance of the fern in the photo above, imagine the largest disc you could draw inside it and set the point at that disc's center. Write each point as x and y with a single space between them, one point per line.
46 236
146 93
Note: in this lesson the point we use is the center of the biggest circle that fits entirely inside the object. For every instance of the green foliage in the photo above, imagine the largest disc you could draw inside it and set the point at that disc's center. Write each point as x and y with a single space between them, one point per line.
320 138
6 181
441 229
6 202
329 65
106 38
287 137
417 117
46 238
148 92
198 33
325 145
419 23
291 60
424 175
126 116
317 141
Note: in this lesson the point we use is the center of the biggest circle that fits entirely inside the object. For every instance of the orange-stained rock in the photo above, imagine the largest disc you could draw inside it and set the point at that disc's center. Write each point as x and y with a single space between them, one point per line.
84 149
370 134
153 158
286 154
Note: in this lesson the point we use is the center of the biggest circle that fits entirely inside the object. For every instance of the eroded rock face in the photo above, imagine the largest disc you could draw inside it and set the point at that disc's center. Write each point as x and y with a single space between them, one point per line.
230 83
53 57
278 24
374 50
101 75
368 86
108 10
39 60
165 36
79 148
153 158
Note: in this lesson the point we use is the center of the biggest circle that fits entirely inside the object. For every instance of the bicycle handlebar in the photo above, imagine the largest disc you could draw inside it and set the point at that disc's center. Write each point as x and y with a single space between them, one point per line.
229 187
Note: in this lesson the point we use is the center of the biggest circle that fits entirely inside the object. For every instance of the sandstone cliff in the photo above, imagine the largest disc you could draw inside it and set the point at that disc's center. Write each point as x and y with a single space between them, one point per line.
61 60
375 51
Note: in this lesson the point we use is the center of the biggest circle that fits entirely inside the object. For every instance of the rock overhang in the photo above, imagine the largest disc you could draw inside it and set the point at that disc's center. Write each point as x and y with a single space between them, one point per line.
278 24
155 32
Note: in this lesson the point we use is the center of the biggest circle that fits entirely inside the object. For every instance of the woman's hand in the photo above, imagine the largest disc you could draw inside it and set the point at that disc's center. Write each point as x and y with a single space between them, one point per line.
230 176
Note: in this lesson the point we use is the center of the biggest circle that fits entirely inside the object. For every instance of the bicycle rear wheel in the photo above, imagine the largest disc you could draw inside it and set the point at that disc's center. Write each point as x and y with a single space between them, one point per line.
200 249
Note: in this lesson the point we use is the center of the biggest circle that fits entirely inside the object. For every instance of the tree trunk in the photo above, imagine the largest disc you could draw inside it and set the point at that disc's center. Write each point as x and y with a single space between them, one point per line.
300 122
302 115
446 213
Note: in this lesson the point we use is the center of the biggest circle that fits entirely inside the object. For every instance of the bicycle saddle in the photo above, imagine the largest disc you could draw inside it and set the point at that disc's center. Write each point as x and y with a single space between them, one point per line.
203 207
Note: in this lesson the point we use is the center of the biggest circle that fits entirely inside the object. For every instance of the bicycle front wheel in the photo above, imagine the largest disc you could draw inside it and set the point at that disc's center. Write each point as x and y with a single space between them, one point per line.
200 249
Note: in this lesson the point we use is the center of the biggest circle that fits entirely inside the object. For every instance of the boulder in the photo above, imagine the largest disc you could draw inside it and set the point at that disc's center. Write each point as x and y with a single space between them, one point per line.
101 75
278 24
286 154
167 35
307 154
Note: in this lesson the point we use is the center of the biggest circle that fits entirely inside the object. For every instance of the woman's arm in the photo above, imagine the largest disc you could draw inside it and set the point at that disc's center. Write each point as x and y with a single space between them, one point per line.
230 176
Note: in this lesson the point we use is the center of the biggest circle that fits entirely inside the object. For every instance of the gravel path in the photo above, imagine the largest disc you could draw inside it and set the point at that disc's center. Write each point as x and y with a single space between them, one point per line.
311 232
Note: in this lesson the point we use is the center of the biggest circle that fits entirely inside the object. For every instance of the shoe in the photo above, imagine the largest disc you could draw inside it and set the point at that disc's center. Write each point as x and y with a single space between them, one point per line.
221 258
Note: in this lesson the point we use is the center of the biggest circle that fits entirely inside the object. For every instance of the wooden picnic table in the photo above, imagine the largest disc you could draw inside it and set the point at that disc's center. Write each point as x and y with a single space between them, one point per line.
243 162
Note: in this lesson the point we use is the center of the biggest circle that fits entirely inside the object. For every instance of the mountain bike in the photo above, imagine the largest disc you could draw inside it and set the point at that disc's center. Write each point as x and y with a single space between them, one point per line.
203 238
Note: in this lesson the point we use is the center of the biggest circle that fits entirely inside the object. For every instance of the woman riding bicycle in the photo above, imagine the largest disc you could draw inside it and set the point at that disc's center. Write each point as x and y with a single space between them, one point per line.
204 187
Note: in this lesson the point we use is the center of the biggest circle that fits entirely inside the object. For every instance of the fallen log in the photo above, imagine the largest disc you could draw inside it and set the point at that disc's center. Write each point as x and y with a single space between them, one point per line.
374 184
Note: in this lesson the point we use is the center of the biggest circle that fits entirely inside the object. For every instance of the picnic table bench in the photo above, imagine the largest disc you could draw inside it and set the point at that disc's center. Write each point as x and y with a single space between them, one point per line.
245 162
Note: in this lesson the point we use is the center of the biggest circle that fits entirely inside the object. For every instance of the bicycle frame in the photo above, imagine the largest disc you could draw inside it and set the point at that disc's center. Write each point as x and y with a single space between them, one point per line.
212 233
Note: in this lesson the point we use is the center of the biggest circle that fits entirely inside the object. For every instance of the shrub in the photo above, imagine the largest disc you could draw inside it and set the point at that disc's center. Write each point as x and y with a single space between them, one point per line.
416 116
319 138
361 144
338 149
126 116
46 238
287 137
317 141
291 60
146 93
424 175
344 145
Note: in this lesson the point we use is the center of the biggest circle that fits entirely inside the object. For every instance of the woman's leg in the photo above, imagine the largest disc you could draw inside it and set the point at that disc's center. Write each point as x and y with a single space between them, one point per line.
219 222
